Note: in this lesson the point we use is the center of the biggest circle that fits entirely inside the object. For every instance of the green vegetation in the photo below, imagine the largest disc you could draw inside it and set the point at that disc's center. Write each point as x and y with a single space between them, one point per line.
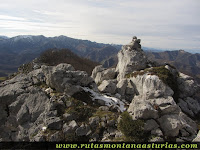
99 83
135 74
26 68
41 85
132 129
2 79
81 111
163 73
34 134
84 97
101 113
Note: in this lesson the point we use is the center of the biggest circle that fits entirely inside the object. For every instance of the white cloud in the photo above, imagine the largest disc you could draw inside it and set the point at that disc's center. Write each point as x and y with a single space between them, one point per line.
6 17
165 24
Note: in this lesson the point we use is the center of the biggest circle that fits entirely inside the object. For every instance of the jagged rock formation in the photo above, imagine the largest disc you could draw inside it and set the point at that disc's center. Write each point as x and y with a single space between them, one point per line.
99 74
40 106
161 96
131 58
57 103
155 102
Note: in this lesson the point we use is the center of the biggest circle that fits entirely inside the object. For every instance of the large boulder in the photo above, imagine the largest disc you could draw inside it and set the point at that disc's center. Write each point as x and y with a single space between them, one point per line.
141 109
155 101
99 74
130 58
121 86
165 105
170 124
150 86
70 128
126 89
107 86
96 70
54 123
150 125
64 79
83 130
190 106
187 86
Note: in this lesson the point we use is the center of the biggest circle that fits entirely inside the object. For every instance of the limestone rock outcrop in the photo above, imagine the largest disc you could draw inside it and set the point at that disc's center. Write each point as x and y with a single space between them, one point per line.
158 95
130 58
39 106
99 74
156 101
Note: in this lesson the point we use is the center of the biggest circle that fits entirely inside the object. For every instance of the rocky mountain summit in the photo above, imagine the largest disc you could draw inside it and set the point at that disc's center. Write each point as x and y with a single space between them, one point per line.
131 58
159 95
59 103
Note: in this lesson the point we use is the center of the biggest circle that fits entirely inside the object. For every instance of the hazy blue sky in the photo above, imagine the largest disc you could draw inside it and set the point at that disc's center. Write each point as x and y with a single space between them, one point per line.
167 24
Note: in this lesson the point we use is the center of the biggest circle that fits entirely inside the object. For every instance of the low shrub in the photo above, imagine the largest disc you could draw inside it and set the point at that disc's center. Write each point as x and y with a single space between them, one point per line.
83 112
26 68
53 57
132 129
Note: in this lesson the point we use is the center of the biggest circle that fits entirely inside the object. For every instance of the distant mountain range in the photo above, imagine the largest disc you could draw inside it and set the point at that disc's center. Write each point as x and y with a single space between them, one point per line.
21 49
185 62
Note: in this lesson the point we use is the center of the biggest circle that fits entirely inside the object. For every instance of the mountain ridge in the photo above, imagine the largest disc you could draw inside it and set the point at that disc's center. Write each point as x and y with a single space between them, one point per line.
19 50
22 49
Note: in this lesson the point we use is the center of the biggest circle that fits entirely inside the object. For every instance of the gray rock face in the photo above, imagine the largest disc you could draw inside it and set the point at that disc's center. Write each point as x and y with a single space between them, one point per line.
165 105
23 115
55 137
131 58
54 123
121 86
96 70
73 125
70 128
83 130
10 89
139 108
157 132
94 121
189 106
155 102
187 86
125 88
37 76
27 110
64 79
107 86
150 125
171 124
99 74
68 117
38 138
150 86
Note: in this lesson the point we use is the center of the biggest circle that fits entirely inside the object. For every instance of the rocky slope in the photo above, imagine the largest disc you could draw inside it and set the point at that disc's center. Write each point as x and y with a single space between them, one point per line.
160 96
41 106
59 103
